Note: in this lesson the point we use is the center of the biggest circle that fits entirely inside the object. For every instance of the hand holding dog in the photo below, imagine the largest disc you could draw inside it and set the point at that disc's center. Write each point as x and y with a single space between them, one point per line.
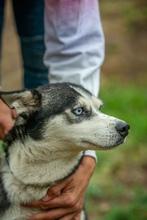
7 117
65 200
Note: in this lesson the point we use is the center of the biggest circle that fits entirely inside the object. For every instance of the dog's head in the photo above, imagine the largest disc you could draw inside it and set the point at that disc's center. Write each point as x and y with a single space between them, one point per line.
55 122
65 114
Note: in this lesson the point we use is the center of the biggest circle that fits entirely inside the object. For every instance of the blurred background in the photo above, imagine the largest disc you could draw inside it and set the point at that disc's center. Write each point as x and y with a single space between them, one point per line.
118 187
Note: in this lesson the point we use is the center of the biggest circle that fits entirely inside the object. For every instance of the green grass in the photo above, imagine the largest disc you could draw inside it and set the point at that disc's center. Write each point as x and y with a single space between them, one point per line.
129 103
118 187
1 146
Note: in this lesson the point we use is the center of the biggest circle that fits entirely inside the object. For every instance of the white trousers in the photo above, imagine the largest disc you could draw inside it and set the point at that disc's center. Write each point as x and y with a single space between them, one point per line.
74 42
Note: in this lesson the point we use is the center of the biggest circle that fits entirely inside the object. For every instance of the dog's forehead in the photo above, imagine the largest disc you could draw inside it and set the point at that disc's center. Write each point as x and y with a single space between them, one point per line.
61 92
88 97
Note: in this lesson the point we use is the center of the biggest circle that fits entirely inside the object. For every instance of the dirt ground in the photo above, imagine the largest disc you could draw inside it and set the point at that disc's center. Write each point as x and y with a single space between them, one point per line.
11 57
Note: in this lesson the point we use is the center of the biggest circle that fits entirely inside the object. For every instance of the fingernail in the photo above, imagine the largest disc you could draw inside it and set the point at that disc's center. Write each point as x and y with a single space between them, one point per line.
46 198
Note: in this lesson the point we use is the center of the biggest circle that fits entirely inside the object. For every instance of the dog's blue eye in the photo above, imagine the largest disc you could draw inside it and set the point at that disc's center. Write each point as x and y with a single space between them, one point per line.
78 111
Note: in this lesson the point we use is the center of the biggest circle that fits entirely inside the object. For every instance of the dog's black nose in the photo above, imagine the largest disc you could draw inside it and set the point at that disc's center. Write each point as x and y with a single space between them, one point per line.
122 128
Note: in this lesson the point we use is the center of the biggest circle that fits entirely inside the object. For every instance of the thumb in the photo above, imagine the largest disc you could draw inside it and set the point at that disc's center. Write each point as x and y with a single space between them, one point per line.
55 190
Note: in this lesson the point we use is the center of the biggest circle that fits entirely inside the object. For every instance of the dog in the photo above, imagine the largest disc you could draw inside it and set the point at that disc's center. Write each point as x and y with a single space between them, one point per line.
55 125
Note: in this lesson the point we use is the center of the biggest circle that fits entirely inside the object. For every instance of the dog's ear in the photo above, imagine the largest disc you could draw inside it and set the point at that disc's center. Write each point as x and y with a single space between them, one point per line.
25 102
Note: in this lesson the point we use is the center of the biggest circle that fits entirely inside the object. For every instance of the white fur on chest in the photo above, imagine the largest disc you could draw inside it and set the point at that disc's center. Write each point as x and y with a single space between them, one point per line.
22 177
41 163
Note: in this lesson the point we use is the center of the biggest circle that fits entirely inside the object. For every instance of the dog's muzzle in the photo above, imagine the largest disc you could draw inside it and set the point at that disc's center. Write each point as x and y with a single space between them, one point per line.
122 128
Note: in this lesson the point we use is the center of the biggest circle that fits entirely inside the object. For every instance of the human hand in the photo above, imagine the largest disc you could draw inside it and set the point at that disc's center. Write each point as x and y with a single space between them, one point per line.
65 200
6 119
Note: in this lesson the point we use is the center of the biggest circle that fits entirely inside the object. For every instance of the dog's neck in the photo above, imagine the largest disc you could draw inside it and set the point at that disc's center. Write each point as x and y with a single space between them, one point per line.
35 165
38 163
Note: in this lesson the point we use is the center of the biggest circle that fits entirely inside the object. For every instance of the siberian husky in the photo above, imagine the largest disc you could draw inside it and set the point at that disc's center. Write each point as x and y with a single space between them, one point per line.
56 124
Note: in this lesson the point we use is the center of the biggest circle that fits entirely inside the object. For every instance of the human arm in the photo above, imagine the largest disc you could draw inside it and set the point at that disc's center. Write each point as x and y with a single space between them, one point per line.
7 117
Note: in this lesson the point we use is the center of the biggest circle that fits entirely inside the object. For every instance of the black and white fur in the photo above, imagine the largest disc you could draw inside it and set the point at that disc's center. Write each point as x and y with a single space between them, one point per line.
56 123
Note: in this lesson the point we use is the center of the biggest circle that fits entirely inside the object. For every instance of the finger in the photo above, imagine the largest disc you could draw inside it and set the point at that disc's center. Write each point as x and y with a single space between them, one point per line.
64 200
34 204
54 203
53 193
72 217
14 115
3 132
56 190
51 214
6 125
2 135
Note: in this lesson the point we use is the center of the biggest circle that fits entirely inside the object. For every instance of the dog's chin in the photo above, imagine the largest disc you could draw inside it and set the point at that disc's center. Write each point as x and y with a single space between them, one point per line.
93 146
121 141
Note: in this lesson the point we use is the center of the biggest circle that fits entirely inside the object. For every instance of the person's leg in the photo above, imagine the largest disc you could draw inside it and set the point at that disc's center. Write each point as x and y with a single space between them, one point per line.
29 16
2 6
74 42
